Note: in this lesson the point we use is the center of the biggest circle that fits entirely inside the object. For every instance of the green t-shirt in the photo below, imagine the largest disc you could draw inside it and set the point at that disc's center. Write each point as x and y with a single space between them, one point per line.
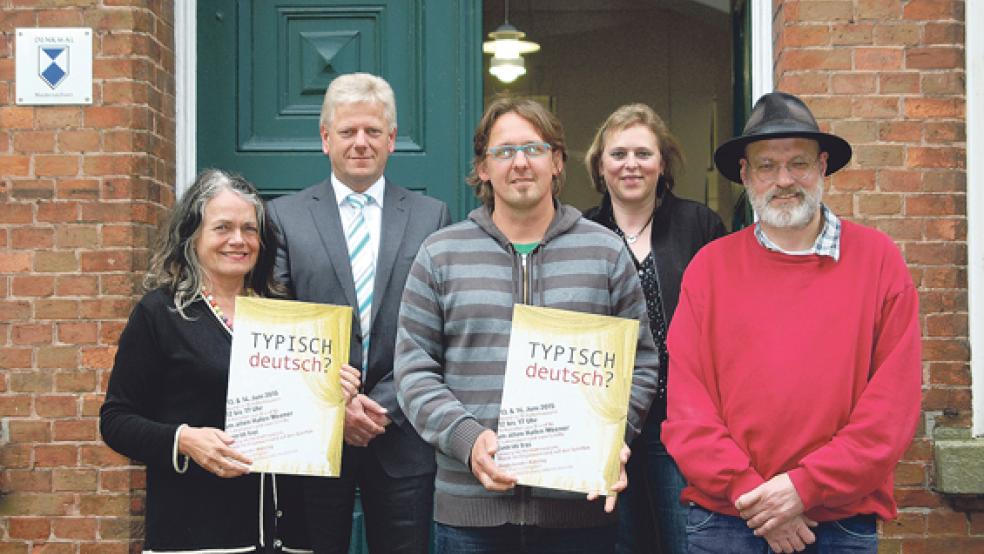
525 248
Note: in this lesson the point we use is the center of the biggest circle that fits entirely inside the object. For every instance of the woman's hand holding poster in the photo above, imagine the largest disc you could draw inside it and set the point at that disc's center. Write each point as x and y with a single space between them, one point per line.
285 406
565 398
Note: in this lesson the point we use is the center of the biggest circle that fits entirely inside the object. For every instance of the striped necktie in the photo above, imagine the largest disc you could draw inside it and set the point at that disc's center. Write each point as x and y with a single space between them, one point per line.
363 265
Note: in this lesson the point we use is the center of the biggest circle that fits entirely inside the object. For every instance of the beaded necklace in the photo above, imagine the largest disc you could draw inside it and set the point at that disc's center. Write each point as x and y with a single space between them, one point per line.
216 310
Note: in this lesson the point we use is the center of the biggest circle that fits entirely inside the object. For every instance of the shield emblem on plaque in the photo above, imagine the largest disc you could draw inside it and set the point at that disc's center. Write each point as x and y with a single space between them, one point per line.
53 64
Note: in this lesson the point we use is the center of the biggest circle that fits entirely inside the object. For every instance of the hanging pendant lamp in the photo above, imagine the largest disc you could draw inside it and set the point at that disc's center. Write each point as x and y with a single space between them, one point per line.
507 47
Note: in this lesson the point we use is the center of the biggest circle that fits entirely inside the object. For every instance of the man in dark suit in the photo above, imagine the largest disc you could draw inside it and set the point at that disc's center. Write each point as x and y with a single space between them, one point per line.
350 240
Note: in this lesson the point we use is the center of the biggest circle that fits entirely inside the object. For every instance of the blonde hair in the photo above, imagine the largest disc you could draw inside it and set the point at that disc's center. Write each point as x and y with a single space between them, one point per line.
354 88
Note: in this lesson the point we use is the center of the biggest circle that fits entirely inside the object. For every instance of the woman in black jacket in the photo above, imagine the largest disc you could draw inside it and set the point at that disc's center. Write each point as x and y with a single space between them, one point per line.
632 161
166 400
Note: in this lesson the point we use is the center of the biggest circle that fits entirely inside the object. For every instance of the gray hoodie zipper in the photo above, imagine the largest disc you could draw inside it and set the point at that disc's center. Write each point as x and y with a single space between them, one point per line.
526 300
526 278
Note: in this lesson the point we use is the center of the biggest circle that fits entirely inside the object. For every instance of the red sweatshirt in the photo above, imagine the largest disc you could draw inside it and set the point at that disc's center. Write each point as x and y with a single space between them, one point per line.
796 364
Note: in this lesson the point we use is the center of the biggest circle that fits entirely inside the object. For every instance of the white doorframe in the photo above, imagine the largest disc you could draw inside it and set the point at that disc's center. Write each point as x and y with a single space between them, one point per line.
974 56
762 67
185 68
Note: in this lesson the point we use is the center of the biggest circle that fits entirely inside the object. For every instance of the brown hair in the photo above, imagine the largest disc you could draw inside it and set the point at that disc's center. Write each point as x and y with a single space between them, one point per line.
545 123
623 118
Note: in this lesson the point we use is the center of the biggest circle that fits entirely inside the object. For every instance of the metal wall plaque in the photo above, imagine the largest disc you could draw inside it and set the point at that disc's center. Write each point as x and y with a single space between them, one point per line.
54 66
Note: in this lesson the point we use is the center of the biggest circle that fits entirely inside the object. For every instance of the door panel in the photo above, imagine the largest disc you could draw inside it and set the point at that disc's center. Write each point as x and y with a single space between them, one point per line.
263 68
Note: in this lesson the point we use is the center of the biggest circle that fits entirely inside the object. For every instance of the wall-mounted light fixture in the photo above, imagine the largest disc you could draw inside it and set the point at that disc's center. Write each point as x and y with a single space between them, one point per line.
507 48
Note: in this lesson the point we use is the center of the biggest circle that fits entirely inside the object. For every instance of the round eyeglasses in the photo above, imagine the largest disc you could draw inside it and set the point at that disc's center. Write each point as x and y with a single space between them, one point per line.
798 169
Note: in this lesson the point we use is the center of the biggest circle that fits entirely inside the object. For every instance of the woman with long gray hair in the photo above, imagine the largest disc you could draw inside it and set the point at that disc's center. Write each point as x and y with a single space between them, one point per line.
166 401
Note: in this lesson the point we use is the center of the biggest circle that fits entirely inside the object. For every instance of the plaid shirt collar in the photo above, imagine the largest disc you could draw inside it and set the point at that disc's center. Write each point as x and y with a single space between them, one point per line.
827 243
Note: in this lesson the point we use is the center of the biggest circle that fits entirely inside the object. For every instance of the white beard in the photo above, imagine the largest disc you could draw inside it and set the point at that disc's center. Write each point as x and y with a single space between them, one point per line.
795 217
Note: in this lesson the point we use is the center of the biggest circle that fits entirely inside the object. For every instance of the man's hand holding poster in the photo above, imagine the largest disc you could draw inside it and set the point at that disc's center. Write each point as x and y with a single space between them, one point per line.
285 406
565 398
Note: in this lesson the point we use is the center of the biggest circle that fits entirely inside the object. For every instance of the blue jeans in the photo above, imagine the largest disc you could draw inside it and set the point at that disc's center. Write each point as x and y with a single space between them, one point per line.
712 533
649 511
519 539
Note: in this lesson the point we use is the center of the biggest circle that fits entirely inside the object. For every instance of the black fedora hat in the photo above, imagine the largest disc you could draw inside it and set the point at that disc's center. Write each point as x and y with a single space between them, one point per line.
780 115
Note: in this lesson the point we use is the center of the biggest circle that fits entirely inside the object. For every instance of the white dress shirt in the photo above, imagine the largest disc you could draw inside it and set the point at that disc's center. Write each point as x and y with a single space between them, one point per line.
373 210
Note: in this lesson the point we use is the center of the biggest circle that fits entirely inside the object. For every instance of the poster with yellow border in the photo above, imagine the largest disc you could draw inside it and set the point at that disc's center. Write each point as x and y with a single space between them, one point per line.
565 398
285 406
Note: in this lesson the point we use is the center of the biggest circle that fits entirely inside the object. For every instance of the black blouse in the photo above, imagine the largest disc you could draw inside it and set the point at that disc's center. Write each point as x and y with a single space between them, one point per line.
168 371
654 308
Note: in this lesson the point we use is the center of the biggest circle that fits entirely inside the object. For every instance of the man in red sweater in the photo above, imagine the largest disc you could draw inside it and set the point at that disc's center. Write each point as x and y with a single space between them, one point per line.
795 357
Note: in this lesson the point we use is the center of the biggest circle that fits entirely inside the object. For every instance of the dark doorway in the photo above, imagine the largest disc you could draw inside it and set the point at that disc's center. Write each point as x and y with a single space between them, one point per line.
675 55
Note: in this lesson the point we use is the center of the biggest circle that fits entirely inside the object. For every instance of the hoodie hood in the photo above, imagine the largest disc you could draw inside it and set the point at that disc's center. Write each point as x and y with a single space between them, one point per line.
565 217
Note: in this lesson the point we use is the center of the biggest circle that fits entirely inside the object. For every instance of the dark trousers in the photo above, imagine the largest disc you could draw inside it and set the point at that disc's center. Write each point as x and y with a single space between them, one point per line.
712 533
397 510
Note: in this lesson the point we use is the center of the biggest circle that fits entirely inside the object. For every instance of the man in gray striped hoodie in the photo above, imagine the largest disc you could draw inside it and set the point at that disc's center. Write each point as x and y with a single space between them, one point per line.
521 246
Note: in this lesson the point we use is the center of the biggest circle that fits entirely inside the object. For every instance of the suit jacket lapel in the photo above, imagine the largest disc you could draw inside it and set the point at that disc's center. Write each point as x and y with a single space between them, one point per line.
329 224
395 217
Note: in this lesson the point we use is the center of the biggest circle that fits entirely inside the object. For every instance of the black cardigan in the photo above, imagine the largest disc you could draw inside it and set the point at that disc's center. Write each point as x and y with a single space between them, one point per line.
169 371
679 229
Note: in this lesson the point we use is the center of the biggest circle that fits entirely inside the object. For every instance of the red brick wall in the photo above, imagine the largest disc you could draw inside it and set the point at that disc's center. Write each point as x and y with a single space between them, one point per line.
81 190
888 75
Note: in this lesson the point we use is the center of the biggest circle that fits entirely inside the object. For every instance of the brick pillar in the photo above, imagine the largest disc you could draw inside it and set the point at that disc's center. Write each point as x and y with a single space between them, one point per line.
888 75
81 192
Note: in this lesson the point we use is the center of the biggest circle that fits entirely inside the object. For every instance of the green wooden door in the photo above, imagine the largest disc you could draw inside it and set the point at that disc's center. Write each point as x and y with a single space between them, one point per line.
263 67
